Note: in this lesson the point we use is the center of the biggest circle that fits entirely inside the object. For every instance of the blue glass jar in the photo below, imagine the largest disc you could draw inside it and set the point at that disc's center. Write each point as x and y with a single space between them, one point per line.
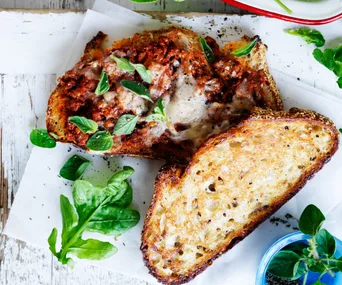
292 238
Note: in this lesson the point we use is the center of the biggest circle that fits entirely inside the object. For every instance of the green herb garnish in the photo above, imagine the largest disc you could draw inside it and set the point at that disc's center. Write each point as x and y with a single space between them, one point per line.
158 113
137 89
143 72
209 54
331 59
103 85
86 126
123 63
246 49
340 130
74 167
287 9
95 209
125 124
311 36
316 255
100 141
41 138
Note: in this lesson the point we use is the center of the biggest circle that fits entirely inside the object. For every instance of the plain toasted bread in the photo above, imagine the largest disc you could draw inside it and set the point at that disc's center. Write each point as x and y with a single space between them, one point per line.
233 183
200 98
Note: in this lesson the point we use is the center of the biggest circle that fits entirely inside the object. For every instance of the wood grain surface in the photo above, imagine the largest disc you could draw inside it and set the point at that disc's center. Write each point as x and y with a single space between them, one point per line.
22 264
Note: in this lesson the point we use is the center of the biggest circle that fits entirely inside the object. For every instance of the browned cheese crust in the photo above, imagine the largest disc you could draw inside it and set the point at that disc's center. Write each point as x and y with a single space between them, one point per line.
200 99
189 223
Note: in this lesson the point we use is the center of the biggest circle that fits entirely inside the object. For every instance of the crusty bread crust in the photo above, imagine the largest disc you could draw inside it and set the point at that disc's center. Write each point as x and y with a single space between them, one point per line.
171 176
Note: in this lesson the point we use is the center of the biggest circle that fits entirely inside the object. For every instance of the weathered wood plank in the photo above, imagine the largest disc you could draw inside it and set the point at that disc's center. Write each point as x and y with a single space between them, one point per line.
160 5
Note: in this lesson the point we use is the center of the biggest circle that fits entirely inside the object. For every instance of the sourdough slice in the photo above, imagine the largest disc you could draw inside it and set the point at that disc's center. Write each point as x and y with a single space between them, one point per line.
200 98
233 183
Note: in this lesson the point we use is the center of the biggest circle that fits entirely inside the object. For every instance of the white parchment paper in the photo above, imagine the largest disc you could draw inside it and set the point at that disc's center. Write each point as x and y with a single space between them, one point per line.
36 207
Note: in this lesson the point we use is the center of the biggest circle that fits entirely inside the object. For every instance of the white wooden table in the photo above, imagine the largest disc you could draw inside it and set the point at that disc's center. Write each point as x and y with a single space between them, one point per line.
21 264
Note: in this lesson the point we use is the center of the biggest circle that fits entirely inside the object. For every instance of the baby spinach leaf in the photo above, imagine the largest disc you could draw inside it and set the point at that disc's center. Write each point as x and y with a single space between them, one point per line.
283 264
125 125
137 89
123 63
103 85
111 220
209 54
158 113
74 167
86 126
246 49
95 210
326 58
143 72
309 35
126 199
311 220
52 241
41 138
326 243
100 141
92 249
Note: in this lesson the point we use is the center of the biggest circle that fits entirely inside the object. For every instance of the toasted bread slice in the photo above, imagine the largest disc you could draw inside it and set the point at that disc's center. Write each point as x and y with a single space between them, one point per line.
200 98
233 183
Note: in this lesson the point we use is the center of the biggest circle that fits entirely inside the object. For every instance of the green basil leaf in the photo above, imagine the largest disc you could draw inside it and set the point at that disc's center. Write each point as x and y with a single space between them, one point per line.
155 117
137 89
296 247
311 220
118 190
86 126
338 68
122 175
125 125
325 58
74 167
318 283
113 221
100 141
41 138
281 4
283 264
158 114
339 264
326 243
52 242
103 85
209 54
143 72
309 35
246 49
340 130
339 82
123 63
69 219
92 249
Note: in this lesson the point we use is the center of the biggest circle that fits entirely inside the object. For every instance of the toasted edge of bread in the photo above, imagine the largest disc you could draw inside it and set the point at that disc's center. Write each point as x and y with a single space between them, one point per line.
171 175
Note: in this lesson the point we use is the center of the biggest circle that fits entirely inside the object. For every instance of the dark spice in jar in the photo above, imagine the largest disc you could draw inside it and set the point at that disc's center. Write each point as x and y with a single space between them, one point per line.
274 280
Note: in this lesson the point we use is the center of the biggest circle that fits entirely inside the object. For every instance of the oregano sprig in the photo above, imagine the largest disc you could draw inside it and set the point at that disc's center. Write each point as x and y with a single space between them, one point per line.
316 254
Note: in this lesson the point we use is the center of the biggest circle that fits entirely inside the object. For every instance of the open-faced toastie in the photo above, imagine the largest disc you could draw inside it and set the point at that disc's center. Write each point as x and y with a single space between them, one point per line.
233 183
179 96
